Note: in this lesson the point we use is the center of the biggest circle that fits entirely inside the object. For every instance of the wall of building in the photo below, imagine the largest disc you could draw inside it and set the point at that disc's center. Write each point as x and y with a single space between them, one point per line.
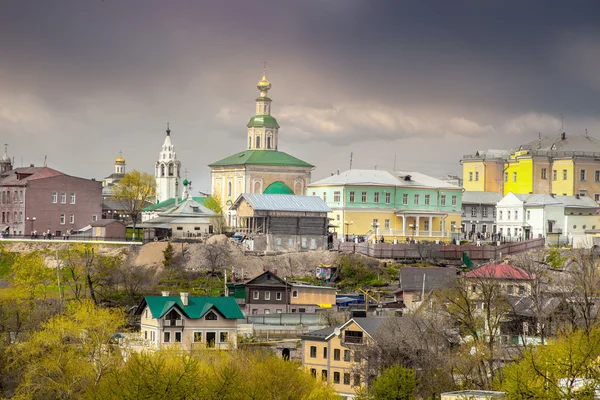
12 207
590 186
562 186
308 295
280 242
486 175
541 184
523 168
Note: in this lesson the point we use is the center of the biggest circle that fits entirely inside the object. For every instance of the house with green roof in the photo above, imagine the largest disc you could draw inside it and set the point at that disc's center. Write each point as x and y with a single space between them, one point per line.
191 322
261 168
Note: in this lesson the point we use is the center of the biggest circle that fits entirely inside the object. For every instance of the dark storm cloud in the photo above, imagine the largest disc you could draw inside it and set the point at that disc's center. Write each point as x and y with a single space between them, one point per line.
81 80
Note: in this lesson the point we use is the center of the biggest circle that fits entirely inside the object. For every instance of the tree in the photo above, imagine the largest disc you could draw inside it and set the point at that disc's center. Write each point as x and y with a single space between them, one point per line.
213 203
135 191
395 383
216 255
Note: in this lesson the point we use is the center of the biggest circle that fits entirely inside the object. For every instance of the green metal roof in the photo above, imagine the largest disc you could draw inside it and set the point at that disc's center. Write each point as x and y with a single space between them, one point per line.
261 157
263 120
278 187
171 203
196 308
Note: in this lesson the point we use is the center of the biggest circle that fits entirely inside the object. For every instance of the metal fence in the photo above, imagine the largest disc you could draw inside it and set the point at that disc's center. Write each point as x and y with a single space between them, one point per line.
286 319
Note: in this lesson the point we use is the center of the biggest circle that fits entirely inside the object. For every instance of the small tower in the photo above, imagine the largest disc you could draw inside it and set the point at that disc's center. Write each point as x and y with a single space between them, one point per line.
120 164
263 129
5 161
167 171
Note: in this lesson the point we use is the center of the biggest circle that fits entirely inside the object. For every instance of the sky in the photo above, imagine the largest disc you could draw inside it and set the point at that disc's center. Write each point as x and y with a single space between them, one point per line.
415 85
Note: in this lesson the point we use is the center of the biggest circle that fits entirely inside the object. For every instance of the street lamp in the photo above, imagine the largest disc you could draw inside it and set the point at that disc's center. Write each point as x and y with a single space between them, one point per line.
32 220
347 225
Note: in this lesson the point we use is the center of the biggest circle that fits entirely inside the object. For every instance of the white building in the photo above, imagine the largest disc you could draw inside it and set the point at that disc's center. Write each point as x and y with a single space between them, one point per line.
556 218
167 171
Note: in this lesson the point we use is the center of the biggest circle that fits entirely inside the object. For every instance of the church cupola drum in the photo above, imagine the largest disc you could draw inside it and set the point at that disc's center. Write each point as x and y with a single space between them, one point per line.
263 129
167 171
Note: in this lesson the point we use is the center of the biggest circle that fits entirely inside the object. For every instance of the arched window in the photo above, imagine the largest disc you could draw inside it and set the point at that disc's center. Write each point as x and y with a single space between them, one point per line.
229 189
162 170
250 142
260 108
170 169
258 142
257 187
268 142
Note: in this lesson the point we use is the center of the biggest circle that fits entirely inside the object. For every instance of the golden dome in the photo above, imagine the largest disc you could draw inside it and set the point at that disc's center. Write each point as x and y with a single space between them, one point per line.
264 83
120 160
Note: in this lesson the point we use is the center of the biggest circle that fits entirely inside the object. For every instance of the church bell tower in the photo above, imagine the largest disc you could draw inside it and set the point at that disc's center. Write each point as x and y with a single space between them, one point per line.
167 171
263 129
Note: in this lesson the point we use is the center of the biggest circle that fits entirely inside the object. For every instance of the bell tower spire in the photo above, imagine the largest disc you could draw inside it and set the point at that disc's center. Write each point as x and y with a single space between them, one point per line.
167 170
263 129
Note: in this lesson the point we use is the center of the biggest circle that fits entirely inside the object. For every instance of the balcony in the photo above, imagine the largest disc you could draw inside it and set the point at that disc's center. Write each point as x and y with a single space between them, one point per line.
353 340
173 322
555 230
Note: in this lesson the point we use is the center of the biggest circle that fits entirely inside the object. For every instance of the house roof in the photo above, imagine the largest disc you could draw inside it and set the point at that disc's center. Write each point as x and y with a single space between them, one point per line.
547 199
282 202
106 222
581 142
188 208
377 177
368 324
20 176
169 203
491 198
499 271
197 306
267 278
574 202
262 157
526 307
411 278
538 199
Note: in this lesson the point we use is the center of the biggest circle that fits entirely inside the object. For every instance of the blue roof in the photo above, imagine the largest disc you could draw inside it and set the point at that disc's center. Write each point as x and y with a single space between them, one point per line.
283 202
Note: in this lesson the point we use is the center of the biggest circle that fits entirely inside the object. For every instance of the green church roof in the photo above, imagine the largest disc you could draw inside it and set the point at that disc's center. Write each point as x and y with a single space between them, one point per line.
262 157
263 120
196 308
171 203
278 187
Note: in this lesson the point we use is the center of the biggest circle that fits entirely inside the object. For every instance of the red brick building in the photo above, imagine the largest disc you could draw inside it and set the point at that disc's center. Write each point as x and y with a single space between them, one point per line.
42 199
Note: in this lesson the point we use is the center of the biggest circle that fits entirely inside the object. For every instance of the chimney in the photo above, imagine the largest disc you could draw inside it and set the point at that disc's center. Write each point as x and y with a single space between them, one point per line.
563 136
31 165
275 271
165 293
577 196
338 171
184 298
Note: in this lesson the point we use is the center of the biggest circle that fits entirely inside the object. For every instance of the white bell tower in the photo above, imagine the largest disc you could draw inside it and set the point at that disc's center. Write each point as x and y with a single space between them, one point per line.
167 171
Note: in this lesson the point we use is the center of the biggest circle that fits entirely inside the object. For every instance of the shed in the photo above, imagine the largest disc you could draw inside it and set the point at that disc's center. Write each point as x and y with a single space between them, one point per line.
108 228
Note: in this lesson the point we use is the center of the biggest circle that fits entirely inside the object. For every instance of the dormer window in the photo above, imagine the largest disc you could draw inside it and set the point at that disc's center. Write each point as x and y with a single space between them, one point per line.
211 316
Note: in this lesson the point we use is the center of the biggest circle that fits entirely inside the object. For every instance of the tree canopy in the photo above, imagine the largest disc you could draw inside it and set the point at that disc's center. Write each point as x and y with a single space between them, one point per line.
135 191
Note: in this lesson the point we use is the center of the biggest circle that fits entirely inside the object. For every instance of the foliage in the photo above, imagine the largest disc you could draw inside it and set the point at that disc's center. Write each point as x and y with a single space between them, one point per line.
31 275
354 273
7 259
168 256
135 191
564 369
214 204
394 383
555 259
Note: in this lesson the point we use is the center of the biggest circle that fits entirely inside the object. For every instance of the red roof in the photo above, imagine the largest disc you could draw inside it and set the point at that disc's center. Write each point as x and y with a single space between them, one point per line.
27 174
499 271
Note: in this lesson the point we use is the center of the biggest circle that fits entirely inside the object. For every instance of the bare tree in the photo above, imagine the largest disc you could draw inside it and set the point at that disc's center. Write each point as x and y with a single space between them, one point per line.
216 255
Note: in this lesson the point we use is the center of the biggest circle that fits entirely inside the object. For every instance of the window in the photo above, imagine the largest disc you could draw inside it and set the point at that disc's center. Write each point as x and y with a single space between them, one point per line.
473 211
94 218
376 197
514 176
357 356
313 351
544 173
324 374
324 352
62 219
228 189
278 296
554 175
508 214
71 219
564 174
387 224
516 214
427 199
54 197
416 199
500 214
454 200
484 212
72 198
516 232
470 177
494 212
197 337
405 199
356 380
223 337
476 176
336 377
375 223
597 176
336 354
388 197
597 197
167 337
336 196
63 198
506 177
346 378
426 225
255 295
582 175
363 197
313 372
351 197
267 295
528 215
258 142
325 197
145 335
177 337
346 355
211 316
443 200
294 293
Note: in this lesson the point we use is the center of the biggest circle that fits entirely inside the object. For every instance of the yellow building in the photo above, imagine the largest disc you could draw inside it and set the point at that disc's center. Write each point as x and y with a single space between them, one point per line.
261 168
335 354
483 171
562 165
189 322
